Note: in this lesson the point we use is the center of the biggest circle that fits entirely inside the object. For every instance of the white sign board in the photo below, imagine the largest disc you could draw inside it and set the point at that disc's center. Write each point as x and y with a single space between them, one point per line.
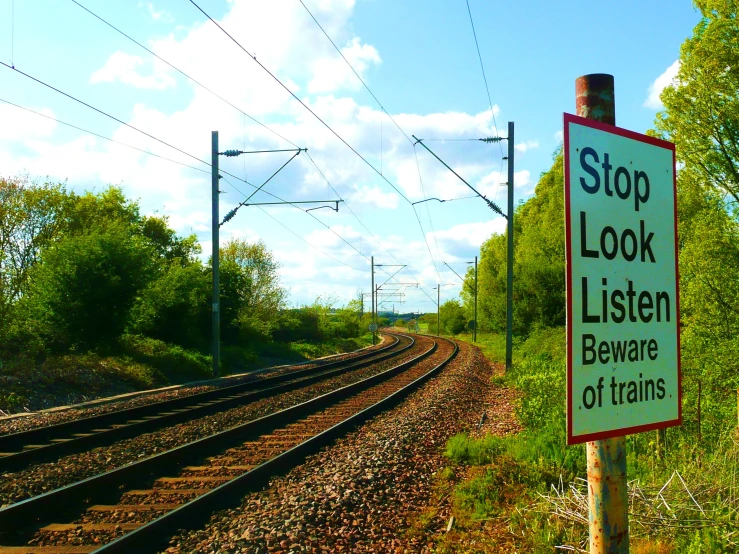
623 322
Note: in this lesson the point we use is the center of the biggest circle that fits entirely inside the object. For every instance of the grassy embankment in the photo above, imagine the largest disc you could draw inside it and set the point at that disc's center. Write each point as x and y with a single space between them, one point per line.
505 490
140 363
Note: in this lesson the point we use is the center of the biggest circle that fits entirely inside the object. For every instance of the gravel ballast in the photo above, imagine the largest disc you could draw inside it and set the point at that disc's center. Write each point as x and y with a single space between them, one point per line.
363 493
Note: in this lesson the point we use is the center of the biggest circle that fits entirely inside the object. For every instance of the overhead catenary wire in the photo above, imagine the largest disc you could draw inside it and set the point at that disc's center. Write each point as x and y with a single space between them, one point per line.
181 72
367 162
171 146
104 137
219 96
355 73
90 106
71 97
346 205
206 88
102 112
484 77
487 90
284 86
121 32
428 214
287 202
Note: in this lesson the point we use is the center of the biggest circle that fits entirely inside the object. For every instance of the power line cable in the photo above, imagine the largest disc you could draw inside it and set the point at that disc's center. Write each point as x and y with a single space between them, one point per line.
284 86
482 67
355 72
298 207
428 213
102 112
71 97
214 94
350 210
182 72
367 162
170 146
104 137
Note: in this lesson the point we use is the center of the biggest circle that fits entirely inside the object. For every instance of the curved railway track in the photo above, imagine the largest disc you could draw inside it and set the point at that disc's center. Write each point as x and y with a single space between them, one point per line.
42 444
150 500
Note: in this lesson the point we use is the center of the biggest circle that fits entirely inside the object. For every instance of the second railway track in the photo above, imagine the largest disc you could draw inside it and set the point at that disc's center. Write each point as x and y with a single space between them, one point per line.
42 444
150 500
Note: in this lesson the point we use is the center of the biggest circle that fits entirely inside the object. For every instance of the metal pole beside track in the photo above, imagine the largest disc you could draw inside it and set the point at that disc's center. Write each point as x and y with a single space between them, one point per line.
607 492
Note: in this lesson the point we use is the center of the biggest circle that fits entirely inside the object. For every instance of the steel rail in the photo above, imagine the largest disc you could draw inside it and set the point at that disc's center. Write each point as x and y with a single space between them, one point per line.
39 510
154 535
86 433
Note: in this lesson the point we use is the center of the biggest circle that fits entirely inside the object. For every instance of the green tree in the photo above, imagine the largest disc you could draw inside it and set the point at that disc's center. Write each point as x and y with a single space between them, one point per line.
83 291
174 306
452 317
251 295
538 266
701 112
32 216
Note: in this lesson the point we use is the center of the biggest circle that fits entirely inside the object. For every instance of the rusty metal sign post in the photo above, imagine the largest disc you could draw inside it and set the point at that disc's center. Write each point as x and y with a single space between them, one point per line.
608 502
623 342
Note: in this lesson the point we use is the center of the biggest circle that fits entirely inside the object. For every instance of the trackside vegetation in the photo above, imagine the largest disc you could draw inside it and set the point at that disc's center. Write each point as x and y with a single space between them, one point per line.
97 298
526 492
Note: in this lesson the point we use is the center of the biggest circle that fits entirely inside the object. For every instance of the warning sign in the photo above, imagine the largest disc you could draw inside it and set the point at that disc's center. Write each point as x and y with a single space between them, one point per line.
623 323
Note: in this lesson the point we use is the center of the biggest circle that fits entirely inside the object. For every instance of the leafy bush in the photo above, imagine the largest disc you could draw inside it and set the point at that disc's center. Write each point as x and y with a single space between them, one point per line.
174 306
86 285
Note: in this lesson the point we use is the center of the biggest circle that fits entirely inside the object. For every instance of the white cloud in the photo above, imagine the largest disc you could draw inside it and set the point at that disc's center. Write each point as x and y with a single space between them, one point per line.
17 124
559 136
527 145
124 67
332 74
157 15
660 83
470 234
374 196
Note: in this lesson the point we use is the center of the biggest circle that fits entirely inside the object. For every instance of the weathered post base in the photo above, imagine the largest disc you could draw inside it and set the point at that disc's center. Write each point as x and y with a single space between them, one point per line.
608 496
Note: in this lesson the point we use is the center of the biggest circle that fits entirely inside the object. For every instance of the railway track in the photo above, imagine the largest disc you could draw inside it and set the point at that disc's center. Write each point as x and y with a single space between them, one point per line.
42 444
136 508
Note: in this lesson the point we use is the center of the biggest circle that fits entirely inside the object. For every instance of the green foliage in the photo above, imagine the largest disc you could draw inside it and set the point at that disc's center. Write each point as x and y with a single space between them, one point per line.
90 275
701 113
452 318
251 295
82 292
32 216
173 307
171 363
462 449
538 267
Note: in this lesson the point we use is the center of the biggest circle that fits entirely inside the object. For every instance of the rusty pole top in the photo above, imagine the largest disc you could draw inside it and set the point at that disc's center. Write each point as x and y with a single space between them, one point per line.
595 98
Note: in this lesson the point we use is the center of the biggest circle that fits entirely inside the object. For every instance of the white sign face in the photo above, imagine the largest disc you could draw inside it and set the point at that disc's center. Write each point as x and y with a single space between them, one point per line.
623 322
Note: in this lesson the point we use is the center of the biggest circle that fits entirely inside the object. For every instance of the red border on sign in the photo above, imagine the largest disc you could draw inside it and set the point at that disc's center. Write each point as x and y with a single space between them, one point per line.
572 439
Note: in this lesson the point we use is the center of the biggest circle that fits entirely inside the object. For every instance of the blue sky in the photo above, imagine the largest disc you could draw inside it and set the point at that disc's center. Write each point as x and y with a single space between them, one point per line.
418 58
